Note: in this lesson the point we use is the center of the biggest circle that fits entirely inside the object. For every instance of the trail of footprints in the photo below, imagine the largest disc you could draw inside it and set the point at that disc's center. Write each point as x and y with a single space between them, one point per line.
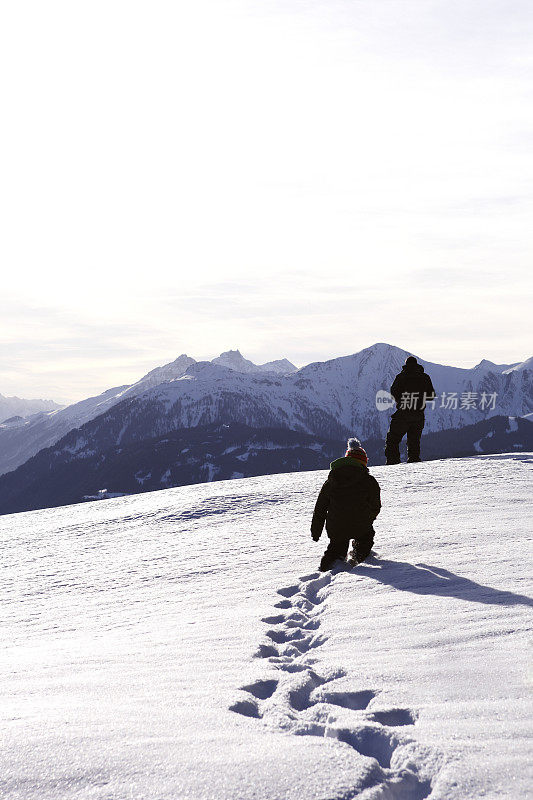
299 700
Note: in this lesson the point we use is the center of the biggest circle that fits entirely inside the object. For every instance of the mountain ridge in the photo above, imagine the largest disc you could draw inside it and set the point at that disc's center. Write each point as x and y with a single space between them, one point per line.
22 407
328 399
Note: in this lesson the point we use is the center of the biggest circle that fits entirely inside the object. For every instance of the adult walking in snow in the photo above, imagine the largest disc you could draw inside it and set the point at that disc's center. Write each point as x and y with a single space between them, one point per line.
411 389
348 503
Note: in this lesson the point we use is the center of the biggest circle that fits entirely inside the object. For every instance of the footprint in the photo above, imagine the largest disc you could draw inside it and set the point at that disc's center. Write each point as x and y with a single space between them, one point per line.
297 618
312 588
305 605
266 650
279 661
289 591
296 649
310 625
296 615
274 620
299 696
290 666
304 645
380 746
248 708
394 717
283 636
374 742
356 701
261 689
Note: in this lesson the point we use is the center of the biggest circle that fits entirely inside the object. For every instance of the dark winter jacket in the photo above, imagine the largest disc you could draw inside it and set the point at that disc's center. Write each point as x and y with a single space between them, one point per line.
349 500
415 383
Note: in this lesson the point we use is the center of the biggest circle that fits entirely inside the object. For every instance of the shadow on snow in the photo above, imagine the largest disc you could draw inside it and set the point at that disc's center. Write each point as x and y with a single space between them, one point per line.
425 579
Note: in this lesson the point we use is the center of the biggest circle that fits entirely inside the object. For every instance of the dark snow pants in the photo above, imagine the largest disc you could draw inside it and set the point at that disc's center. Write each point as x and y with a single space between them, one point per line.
338 547
404 423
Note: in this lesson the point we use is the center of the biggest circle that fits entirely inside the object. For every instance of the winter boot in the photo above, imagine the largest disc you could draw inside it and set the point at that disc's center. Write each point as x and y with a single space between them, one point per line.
361 549
327 562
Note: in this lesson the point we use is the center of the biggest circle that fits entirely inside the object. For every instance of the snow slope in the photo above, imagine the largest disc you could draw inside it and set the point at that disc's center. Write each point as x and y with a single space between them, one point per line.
179 644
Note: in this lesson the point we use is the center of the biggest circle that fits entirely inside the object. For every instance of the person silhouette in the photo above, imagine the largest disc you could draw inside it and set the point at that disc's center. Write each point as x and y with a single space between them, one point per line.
348 503
411 389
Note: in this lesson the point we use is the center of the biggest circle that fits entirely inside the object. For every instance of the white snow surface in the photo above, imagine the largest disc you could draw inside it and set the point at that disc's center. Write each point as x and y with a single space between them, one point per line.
180 643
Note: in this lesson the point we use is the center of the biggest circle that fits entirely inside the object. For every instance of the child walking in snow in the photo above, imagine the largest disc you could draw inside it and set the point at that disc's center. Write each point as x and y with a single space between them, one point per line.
348 503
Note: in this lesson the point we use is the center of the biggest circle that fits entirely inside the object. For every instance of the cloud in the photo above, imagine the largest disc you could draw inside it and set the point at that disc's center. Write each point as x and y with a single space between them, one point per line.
371 177
457 278
494 205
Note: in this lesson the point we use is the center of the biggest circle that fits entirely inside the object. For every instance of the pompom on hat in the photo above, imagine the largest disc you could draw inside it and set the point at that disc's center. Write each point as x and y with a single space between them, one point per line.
355 450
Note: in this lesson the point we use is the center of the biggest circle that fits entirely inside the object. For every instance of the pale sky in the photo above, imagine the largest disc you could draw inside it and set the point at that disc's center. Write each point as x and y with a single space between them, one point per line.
294 179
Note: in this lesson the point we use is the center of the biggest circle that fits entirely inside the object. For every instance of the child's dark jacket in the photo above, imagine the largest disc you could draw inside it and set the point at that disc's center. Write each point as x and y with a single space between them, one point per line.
349 500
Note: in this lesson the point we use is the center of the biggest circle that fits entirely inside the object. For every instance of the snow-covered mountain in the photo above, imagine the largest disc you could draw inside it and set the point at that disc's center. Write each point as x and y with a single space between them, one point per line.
168 372
328 399
282 365
20 439
19 407
180 644
234 360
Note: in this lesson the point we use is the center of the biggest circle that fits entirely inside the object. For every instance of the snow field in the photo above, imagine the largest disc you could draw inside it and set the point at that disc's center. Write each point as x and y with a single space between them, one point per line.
179 644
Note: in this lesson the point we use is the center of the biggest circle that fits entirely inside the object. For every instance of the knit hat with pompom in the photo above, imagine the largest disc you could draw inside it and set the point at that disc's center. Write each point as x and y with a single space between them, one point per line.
356 451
